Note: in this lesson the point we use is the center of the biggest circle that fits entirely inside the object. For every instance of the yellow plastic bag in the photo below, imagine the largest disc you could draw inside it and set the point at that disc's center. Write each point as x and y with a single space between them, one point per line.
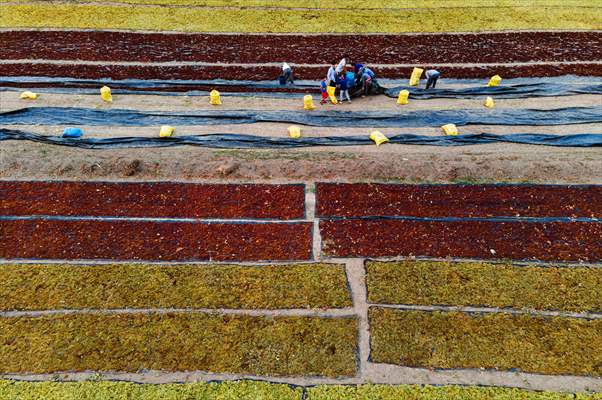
378 138
214 98
166 131
105 94
415 77
308 102
495 80
29 95
403 97
450 129
294 131
489 102
331 95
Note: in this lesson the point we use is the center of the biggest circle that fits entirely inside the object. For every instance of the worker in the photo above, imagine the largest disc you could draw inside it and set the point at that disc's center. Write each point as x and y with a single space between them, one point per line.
344 87
331 76
341 65
431 78
287 74
366 78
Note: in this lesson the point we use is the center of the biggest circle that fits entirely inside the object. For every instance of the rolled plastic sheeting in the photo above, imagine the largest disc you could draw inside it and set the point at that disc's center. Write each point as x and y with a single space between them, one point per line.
238 141
543 89
373 119
512 88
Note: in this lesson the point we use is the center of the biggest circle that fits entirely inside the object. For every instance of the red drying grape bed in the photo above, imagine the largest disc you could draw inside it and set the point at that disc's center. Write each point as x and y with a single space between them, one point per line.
302 49
518 240
230 52
155 241
461 201
237 72
153 199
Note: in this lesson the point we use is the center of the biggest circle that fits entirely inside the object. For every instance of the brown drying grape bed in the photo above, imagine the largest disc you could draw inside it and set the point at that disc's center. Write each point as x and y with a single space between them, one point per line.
517 240
152 240
463 201
303 49
153 199
237 72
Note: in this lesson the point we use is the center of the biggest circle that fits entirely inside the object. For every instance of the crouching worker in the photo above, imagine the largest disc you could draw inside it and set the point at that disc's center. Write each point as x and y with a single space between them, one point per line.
367 76
431 78
287 74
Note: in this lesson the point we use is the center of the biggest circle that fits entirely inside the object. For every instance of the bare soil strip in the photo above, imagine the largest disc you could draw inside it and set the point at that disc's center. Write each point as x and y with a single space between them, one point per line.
302 49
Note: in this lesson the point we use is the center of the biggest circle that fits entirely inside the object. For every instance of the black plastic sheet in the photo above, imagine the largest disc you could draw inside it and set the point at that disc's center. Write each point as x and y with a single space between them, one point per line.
239 141
511 88
542 89
421 118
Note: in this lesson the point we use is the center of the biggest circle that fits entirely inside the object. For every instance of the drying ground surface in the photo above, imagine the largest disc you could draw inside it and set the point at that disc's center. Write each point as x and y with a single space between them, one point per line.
390 163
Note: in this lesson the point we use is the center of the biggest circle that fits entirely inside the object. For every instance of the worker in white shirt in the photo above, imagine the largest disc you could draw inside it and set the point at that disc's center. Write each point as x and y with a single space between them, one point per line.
341 65
287 74
331 75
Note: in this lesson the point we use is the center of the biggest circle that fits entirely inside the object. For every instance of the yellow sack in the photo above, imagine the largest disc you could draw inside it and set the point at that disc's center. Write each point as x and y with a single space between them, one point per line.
403 97
378 138
330 90
105 93
450 129
29 95
294 131
166 131
308 102
415 77
214 98
489 102
495 80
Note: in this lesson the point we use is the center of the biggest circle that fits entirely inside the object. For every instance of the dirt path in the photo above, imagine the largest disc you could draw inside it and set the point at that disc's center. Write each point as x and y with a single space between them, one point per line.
11 101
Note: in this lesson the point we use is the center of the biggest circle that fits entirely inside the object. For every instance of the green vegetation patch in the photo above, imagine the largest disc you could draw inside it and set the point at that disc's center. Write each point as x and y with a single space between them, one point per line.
554 346
279 346
294 20
415 392
56 286
574 289
241 390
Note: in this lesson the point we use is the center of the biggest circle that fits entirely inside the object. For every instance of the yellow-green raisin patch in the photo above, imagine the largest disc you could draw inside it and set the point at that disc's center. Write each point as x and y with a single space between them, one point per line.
415 392
575 289
570 346
160 18
242 390
179 342
47 287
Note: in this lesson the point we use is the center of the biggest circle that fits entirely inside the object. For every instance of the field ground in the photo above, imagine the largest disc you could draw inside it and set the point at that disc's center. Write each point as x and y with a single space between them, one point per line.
319 273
